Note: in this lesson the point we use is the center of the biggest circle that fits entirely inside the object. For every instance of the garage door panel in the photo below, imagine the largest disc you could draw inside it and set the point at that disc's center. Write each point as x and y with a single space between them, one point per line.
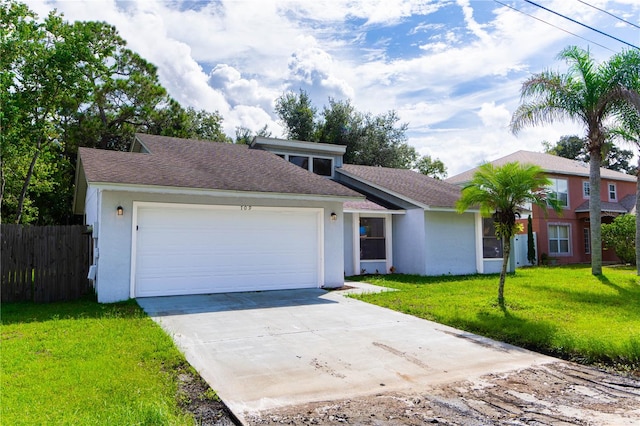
190 250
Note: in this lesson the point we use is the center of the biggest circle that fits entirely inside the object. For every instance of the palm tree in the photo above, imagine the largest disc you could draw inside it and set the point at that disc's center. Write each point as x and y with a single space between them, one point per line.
629 116
500 192
589 94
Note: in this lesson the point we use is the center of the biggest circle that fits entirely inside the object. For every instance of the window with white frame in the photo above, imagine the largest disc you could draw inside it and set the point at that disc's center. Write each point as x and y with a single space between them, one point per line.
585 189
613 196
559 239
587 240
318 165
559 191
491 244
372 238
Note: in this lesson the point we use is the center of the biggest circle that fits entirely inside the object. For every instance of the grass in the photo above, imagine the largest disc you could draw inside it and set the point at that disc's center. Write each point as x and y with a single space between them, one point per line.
561 311
83 363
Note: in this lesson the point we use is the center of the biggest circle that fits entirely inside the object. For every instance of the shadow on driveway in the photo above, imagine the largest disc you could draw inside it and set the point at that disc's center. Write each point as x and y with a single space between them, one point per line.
202 303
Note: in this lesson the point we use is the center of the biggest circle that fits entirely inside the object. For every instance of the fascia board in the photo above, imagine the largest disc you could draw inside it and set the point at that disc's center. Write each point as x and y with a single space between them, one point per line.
383 189
154 189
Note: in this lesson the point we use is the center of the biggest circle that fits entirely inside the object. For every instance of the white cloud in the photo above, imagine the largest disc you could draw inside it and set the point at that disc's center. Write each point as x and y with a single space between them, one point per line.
456 86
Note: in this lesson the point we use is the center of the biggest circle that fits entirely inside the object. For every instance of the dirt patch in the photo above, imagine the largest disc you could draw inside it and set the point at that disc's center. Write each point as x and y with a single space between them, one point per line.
555 394
195 396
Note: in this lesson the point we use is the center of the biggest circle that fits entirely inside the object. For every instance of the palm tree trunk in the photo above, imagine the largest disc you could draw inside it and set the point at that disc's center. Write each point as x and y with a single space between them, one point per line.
506 243
595 211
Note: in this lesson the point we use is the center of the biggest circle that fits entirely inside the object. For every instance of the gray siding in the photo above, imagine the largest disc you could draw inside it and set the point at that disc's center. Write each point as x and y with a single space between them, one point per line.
450 243
408 242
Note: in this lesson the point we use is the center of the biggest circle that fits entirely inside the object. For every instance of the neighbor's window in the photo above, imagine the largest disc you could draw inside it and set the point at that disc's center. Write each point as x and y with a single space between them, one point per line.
322 166
612 192
300 160
559 239
491 244
372 239
587 240
559 191
585 189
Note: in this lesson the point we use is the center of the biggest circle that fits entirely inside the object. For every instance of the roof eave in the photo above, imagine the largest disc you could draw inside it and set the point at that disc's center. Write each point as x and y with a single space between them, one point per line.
157 189
383 189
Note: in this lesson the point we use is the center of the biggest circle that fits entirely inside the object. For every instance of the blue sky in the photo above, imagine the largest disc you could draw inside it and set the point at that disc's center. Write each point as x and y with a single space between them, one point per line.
451 69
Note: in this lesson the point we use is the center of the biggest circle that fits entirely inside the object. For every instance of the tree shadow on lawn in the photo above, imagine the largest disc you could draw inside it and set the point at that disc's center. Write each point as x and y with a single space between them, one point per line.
626 299
27 312
509 328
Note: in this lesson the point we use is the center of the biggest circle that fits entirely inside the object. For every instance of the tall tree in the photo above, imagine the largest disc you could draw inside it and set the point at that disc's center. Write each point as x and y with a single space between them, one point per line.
41 83
574 148
500 192
244 135
371 140
68 85
587 93
431 167
629 119
298 115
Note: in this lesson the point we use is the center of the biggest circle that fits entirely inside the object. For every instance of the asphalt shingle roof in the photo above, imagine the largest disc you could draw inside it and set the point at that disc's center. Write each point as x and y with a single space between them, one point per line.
407 184
550 163
605 206
187 163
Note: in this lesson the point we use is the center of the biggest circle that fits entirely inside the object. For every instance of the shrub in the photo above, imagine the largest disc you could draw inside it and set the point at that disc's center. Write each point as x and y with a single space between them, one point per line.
619 235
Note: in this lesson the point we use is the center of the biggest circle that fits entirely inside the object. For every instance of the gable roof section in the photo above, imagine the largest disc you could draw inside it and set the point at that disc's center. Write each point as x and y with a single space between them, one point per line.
408 185
550 163
187 163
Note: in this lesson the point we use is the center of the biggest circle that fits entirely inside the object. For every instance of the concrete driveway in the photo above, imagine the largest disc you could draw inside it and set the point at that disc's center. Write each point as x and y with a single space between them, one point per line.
272 349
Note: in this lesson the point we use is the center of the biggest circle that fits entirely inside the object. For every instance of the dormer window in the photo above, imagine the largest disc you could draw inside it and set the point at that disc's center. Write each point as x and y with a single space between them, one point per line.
316 157
300 161
318 165
322 166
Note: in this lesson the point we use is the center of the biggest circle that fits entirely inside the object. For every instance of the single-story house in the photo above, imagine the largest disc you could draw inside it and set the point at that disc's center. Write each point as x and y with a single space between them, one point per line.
178 216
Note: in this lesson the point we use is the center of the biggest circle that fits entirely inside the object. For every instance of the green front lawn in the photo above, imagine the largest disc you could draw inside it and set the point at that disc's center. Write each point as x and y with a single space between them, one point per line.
82 363
563 311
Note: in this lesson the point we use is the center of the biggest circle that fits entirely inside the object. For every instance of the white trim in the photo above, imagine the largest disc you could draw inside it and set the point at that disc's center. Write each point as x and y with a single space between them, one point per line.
147 204
287 145
157 189
569 239
356 244
615 191
479 253
388 242
585 196
363 211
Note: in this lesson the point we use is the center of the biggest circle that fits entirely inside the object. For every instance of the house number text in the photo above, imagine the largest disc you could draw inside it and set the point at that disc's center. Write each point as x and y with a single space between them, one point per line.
245 207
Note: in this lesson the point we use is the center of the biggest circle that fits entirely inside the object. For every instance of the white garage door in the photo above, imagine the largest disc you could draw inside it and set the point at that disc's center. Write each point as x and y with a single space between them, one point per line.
187 249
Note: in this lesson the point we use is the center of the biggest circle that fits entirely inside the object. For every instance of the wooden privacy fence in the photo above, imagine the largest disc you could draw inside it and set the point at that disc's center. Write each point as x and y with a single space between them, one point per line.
44 263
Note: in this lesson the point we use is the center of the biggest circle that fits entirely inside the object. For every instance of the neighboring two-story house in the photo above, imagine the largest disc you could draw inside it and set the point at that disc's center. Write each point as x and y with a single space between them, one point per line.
566 237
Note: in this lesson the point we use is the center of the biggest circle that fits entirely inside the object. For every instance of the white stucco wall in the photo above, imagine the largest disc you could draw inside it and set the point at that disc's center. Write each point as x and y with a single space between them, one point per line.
114 239
450 243
408 242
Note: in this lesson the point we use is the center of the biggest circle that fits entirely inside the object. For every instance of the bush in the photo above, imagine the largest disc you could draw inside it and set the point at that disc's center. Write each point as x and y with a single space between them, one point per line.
619 235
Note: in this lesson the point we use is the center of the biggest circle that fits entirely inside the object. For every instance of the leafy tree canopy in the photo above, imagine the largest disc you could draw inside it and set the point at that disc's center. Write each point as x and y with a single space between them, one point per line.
372 140
65 85
574 148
